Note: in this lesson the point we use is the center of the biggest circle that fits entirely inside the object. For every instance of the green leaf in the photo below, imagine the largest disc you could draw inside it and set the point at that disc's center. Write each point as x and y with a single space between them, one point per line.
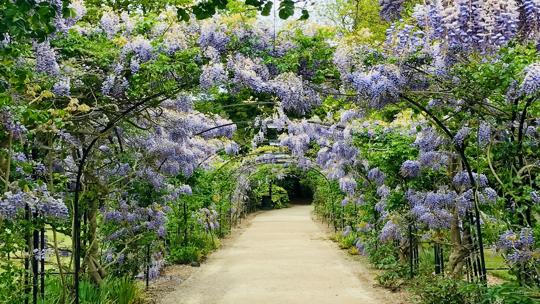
182 14
204 10
286 9
267 8
221 4
255 3
305 15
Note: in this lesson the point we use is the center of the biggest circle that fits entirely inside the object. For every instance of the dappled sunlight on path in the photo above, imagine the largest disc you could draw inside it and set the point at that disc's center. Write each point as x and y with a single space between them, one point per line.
282 257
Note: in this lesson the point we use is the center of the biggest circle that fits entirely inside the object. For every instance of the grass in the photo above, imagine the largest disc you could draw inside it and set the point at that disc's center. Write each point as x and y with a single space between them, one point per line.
64 243
495 260
110 291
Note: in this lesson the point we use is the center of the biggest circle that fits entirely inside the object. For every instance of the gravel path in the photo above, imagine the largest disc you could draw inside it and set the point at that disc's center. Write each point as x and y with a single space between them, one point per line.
283 257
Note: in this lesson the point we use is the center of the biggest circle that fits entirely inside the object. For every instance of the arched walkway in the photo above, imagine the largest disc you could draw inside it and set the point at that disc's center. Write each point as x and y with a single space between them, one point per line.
283 256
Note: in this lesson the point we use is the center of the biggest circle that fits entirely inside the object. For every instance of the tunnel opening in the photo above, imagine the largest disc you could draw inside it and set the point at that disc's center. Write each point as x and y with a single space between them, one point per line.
299 193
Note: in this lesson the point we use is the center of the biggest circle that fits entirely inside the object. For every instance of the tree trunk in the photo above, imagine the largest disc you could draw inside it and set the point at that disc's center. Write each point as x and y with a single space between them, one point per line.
95 269
460 248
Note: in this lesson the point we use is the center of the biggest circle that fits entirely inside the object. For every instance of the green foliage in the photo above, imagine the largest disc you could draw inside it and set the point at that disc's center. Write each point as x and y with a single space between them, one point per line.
280 197
509 293
120 290
198 246
393 279
345 242
312 58
382 256
432 289
185 255
11 291
207 9
437 289
27 19
358 19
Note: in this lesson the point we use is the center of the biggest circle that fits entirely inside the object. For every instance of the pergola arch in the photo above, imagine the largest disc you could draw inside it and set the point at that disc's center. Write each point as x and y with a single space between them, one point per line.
285 158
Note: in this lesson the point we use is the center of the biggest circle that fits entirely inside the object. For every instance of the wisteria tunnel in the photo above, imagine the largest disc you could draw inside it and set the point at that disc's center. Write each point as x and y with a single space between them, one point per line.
257 151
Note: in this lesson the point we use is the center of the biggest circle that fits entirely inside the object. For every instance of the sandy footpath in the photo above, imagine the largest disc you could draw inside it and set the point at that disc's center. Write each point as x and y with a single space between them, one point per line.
283 256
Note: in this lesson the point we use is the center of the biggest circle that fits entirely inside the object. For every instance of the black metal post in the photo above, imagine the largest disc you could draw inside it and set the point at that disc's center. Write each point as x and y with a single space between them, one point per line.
147 274
441 259
185 222
27 257
77 239
437 262
220 218
342 217
42 270
411 252
35 264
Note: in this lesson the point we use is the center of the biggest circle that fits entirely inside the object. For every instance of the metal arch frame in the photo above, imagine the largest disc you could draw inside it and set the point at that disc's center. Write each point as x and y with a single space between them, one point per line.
287 159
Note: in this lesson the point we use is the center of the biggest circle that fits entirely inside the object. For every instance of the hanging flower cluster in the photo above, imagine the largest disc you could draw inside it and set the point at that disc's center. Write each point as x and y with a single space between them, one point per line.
519 248
208 218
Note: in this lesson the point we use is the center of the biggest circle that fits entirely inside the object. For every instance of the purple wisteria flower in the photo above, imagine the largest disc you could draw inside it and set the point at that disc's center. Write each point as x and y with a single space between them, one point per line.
428 140
462 179
410 169
141 48
379 86
19 157
62 87
461 135
232 148
110 23
182 103
80 11
294 95
360 247
518 247
432 208
488 195
40 254
185 189
383 191
109 255
433 160
348 115
38 200
213 35
114 86
535 197
391 9
347 184
212 75
46 59
249 72
390 232
531 82
532 16
208 218
347 231
158 262
377 176
484 134
526 238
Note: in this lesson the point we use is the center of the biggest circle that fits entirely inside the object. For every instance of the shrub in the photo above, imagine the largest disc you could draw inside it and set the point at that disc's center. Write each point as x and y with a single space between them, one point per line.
393 279
432 289
381 255
112 290
509 293
185 255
